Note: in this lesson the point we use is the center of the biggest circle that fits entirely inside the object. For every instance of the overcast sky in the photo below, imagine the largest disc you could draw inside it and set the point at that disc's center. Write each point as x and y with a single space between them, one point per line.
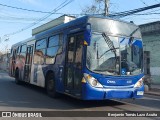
13 20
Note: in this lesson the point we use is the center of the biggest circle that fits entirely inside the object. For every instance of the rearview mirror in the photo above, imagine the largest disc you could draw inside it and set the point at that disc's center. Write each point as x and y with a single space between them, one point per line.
87 34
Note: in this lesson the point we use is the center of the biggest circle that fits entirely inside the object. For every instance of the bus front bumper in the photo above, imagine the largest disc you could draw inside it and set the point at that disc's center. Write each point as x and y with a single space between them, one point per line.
91 93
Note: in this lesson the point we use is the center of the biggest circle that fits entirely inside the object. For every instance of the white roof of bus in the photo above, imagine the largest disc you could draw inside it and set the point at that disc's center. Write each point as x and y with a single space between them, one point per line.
24 41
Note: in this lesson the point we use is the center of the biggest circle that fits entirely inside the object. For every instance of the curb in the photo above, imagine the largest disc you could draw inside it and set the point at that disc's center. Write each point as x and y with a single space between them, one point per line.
152 93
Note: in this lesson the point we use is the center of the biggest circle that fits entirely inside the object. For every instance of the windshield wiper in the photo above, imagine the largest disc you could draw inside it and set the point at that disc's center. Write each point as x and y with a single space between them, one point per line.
110 45
109 42
108 51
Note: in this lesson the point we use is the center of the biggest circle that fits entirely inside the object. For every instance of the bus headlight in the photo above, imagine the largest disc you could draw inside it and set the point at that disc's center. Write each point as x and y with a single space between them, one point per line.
139 83
92 81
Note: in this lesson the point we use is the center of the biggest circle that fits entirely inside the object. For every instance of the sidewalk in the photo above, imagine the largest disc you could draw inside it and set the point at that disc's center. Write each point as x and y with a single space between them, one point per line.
155 90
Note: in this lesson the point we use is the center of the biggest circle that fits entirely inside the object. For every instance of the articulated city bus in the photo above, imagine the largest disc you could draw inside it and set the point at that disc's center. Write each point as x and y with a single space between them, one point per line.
90 58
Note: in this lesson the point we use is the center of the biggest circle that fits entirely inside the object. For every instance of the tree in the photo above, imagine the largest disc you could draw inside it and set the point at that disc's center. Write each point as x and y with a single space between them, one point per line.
98 7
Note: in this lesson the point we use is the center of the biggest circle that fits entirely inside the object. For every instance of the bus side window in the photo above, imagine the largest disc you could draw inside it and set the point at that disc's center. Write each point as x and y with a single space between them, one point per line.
22 51
54 48
60 44
23 48
39 53
11 55
17 51
14 54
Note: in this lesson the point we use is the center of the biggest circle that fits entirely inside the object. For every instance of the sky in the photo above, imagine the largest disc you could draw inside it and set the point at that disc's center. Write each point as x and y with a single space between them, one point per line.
13 20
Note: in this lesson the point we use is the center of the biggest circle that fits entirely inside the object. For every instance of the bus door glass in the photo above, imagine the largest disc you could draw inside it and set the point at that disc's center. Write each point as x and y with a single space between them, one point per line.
74 63
28 63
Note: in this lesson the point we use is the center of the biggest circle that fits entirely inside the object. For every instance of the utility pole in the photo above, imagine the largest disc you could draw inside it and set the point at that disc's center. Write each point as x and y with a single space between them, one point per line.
106 9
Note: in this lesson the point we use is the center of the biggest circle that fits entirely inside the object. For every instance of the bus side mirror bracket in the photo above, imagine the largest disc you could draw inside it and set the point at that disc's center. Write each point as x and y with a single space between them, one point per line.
87 34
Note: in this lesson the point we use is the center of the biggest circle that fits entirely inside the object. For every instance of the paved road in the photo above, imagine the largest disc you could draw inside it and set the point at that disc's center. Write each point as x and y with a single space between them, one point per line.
31 98
148 101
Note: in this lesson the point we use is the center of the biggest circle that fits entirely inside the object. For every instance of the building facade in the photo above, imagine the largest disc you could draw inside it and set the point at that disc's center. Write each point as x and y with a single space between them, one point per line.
151 40
4 61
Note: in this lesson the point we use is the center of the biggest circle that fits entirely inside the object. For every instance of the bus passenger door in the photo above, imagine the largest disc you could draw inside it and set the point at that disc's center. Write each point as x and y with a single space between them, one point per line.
28 63
73 72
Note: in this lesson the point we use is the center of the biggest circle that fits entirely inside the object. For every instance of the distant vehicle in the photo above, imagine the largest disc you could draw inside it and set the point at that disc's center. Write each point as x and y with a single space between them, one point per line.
90 58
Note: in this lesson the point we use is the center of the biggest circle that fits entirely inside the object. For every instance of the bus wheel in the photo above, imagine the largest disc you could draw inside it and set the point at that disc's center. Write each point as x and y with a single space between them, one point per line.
50 86
17 81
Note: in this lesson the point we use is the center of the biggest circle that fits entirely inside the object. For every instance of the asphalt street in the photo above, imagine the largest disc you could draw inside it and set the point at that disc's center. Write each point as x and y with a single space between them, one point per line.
26 97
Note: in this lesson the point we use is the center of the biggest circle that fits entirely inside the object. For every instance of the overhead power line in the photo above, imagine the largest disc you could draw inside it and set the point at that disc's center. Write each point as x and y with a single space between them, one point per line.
30 10
24 9
66 2
9 18
143 2
117 15
130 12
18 18
147 14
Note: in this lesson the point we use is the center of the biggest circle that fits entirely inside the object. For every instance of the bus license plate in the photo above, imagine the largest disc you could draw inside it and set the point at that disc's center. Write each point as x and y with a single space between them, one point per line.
140 92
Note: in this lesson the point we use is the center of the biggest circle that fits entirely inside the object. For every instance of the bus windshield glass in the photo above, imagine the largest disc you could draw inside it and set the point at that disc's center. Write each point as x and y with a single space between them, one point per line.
131 56
101 58
120 56
114 27
115 53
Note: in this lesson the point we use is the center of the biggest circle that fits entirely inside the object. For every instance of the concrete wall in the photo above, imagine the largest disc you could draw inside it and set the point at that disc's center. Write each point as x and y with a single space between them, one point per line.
151 41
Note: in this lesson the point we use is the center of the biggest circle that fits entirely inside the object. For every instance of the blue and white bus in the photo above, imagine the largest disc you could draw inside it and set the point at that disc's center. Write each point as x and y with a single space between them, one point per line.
90 58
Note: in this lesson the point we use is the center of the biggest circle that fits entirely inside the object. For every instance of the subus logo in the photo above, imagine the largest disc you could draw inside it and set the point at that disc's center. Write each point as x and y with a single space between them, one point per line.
110 81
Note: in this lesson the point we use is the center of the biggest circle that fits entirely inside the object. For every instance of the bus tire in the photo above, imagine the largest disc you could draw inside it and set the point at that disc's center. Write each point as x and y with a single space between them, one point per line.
50 86
17 80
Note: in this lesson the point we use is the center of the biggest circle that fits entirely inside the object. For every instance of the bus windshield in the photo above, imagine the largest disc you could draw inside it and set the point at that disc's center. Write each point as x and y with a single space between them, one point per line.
110 55
114 27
